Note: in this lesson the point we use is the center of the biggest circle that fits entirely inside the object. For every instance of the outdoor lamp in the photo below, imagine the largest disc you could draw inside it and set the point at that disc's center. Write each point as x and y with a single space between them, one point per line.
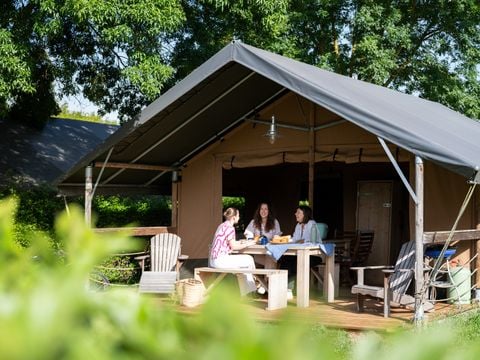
272 133
175 176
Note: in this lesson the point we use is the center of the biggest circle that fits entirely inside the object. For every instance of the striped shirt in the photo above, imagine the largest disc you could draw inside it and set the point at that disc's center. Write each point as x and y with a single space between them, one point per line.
220 246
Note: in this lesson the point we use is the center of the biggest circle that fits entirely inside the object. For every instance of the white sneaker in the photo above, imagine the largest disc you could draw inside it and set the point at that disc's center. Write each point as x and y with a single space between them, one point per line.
261 290
289 294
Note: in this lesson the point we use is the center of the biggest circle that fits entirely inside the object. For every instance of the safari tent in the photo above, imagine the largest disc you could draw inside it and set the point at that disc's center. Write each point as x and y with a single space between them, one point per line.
340 143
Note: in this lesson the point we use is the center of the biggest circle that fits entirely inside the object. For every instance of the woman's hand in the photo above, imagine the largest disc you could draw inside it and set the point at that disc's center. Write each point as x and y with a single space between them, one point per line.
242 244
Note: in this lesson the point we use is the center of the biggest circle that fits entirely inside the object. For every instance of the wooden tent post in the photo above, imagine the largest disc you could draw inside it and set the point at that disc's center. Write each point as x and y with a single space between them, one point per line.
311 156
88 195
419 280
175 197
476 244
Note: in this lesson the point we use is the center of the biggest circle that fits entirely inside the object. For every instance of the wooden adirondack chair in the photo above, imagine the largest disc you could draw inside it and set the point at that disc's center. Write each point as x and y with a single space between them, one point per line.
396 282
165 262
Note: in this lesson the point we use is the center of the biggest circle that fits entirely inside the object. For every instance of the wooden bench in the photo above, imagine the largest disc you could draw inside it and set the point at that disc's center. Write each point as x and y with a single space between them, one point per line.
277 282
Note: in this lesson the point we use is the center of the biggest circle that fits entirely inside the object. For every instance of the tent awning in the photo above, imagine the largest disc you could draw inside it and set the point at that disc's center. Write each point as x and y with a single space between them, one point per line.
237 82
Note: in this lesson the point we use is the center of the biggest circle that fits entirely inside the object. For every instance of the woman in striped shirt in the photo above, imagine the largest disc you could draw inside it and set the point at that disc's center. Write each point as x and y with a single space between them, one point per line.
224 243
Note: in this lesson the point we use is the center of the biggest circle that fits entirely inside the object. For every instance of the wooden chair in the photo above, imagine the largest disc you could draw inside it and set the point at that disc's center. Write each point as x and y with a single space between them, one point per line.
359 248
342 241
165 261
396 282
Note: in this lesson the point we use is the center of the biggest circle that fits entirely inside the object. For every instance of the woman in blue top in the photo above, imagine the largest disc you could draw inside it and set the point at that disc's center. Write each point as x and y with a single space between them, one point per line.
306 230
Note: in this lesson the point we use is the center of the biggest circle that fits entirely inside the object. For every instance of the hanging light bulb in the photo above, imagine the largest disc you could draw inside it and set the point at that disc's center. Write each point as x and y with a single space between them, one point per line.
272 134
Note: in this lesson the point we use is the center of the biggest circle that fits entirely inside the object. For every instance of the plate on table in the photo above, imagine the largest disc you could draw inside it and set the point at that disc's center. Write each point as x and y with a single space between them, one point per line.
281 239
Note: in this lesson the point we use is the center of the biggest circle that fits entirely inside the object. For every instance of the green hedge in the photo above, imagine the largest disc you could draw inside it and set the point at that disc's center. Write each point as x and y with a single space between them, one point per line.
38 206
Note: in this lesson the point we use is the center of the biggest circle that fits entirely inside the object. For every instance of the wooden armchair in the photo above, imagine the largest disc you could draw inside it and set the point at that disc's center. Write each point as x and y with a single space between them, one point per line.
165 262
396 282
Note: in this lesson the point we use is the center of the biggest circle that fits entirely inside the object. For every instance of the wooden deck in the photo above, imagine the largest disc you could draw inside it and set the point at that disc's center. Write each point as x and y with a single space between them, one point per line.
342 314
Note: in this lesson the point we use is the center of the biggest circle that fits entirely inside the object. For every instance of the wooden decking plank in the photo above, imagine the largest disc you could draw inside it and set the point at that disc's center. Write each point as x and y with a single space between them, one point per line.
342 314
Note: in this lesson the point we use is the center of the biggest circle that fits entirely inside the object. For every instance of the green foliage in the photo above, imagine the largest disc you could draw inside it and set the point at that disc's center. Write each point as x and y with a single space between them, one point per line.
111 51
120 270
467 325
14 71
121 54
47 312
212 24
427 48
233 201
37 207
65 113
35 212
113 211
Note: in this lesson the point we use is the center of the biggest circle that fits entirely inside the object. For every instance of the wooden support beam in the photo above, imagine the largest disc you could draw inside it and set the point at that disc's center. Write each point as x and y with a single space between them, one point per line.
139 231
311 157
88 195
476 244
117 165
419 233
440 237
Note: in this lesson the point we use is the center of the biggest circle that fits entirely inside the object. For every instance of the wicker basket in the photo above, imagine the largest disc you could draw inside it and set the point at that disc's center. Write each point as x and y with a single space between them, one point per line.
190 292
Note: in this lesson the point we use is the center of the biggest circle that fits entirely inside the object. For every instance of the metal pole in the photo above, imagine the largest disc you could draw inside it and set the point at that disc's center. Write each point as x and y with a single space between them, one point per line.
419 279
88 195
397 169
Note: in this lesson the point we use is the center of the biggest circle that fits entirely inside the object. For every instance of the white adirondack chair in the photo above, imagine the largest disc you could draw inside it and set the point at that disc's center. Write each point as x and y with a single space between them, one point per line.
165 261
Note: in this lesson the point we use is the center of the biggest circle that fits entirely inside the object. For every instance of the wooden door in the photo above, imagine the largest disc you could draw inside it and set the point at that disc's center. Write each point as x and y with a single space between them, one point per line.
374 212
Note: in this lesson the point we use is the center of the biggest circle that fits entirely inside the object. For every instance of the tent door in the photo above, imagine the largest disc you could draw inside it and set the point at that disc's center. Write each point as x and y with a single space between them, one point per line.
374 212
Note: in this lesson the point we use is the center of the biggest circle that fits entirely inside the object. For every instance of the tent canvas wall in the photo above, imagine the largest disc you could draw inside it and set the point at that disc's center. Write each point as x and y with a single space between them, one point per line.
202 179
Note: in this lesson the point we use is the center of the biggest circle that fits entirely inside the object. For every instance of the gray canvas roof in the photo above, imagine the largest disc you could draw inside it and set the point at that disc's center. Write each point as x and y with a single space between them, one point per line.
40 156
239 80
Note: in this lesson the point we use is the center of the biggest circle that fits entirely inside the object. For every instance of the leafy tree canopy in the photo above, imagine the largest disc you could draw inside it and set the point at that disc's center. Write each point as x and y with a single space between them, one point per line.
430 48
109 50
123 53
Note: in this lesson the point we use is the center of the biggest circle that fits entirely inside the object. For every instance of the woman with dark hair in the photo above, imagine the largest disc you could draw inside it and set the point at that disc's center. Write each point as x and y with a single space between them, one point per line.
306 230
263 223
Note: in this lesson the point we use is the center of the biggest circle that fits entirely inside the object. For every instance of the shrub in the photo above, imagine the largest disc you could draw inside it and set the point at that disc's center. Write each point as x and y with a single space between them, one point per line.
38 206
115 211
120 270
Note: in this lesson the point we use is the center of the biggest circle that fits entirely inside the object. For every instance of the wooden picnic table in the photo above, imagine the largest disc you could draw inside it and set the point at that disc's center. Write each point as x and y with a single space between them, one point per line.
303 254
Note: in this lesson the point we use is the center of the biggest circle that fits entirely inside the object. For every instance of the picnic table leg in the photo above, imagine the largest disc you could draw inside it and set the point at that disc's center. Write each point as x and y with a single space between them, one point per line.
303 277
328 274
277 290
269 262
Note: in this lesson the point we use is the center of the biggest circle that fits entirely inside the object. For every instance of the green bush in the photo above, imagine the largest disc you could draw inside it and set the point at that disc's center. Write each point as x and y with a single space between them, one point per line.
120 270
38 206
115 211
233 201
